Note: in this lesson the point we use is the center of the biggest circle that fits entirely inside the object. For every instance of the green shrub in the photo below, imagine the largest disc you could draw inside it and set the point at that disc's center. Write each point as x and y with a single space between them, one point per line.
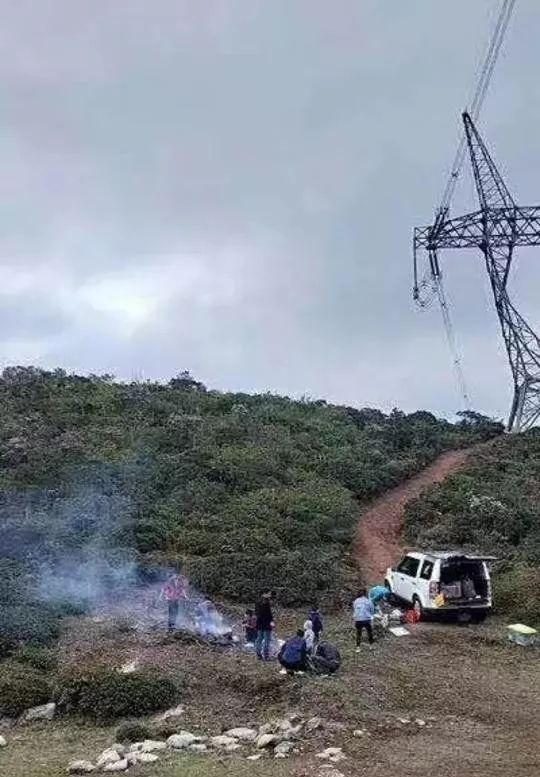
105 694
166 728
21 687
41 658
516 593
132 731
33 623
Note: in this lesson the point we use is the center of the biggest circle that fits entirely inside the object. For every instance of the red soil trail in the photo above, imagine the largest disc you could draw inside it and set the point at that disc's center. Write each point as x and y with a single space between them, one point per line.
378 540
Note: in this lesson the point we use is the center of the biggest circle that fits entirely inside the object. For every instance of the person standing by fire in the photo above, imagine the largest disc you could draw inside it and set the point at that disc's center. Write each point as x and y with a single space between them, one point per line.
175 592
265 624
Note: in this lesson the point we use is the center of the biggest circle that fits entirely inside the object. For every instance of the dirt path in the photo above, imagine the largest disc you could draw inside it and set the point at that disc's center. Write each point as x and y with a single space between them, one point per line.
378 541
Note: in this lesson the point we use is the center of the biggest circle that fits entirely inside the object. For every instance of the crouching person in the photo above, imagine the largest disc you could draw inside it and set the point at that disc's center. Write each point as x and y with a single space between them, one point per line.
293 653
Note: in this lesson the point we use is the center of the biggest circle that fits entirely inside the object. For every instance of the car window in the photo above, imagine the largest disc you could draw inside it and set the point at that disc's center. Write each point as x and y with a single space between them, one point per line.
427 569
414 563
403 565
409 566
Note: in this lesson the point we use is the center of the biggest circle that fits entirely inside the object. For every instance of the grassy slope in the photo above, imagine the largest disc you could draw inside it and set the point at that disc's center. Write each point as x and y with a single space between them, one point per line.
245 490
427 676
492 506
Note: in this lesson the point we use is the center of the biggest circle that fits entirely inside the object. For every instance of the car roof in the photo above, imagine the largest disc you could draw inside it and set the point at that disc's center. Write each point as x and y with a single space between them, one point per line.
446 554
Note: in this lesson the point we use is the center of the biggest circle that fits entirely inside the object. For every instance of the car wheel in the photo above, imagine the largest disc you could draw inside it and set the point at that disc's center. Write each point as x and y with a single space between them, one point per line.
417 607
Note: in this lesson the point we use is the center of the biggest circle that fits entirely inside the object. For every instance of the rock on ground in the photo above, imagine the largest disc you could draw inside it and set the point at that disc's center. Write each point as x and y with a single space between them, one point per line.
255 757
266 740
223 741
313 724
152 745
198 747
284 748
3 741
173 712
117 766
146 758
80 767
108 756
181 741
243 733
334 754
43 712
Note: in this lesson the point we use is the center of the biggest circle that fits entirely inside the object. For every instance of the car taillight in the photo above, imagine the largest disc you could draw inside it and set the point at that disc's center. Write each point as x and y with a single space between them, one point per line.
433 589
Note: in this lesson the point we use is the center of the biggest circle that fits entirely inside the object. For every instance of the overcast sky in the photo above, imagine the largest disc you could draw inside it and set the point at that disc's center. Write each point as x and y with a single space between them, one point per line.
230 187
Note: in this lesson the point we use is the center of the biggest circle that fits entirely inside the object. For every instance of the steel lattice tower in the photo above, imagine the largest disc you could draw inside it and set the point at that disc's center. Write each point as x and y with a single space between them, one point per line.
496 229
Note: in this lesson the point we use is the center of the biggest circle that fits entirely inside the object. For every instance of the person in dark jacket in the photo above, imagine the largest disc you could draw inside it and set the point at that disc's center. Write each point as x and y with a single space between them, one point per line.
250 627
293 654
265 624
316 622
326 658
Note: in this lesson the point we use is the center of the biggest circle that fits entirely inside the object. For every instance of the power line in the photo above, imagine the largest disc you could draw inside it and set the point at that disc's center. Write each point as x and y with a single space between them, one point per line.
431 285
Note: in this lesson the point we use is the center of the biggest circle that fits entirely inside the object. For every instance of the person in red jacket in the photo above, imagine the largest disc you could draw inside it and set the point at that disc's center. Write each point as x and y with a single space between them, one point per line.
174 592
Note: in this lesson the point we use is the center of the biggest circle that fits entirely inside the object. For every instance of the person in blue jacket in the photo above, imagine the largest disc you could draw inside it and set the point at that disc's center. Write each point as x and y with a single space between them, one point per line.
293 653
378 594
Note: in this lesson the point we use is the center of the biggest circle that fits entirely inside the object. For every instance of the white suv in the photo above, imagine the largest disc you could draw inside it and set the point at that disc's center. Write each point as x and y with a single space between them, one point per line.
443 582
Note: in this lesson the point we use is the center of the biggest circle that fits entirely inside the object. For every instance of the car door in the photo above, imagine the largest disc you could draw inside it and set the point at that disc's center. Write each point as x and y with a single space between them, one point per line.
407 571
401 578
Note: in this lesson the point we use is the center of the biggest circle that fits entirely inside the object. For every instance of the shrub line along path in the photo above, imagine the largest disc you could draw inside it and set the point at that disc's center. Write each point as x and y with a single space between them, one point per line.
379 543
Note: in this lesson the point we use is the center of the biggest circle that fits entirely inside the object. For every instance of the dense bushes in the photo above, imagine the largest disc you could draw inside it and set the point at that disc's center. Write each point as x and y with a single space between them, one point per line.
133 731
105 694
37 657
492 506
517 592
196 476
33 623
21 687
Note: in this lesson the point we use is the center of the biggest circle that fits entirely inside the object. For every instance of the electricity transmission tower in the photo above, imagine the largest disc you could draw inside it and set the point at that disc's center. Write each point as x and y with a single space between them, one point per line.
496 229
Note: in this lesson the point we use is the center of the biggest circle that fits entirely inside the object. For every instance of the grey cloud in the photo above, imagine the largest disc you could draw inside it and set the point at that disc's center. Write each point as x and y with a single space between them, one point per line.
309 137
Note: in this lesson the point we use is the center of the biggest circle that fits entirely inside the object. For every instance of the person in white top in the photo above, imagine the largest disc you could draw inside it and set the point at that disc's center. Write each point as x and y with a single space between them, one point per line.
309 635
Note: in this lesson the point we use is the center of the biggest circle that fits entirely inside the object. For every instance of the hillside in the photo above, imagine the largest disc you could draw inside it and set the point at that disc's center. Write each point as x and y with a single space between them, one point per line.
110 480
492 506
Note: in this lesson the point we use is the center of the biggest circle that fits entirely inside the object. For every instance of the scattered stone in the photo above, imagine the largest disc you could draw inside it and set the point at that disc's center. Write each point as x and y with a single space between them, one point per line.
284 748
173 712
232 748
244 734
283 725
181 741
198 748
255 757
108 756
266 728
334 754
153 745
120 749
329 771
43 712
280 755
420 722
117 766
404 721
80 767
292 733
3 741
314 724
266 740
222 741
359 732
146 758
